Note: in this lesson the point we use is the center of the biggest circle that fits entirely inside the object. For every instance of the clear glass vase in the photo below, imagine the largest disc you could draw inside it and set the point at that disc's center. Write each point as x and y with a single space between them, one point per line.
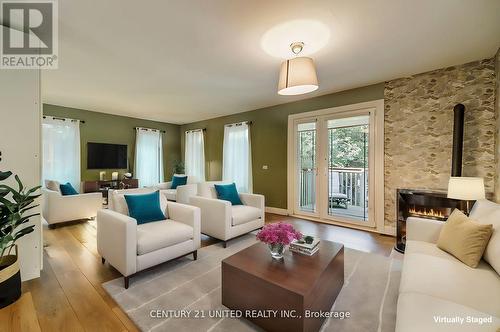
277 250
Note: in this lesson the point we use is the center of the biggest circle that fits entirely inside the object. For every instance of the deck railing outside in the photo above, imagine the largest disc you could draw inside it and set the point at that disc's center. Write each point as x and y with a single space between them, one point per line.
352 182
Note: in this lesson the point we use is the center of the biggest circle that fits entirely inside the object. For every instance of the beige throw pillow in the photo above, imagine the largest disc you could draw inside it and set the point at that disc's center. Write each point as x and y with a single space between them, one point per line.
464 238
52 185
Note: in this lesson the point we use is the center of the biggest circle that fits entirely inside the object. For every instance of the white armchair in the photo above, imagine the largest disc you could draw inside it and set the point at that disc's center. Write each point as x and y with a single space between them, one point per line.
57 208
131 248
221 220
182 193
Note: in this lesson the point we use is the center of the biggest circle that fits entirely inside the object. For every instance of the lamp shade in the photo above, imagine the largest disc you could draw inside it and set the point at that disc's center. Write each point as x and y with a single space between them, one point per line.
466 188
297 76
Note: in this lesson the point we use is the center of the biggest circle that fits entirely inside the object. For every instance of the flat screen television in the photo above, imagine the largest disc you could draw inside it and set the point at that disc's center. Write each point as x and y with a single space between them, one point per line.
106 156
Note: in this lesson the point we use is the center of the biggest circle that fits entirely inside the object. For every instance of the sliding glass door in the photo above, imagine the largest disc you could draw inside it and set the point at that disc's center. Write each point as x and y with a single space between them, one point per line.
333 157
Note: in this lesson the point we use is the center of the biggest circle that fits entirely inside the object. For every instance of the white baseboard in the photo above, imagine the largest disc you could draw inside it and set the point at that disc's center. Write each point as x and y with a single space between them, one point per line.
283 212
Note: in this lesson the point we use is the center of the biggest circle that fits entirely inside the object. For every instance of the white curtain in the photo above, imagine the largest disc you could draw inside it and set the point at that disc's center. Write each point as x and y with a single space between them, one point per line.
61 150
195 154
148 157
237 159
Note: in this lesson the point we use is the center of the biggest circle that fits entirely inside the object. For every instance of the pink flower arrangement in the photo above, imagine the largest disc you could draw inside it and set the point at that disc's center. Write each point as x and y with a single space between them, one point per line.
278 233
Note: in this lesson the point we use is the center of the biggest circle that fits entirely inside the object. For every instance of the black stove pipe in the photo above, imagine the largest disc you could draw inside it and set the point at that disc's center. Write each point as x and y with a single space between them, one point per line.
458 140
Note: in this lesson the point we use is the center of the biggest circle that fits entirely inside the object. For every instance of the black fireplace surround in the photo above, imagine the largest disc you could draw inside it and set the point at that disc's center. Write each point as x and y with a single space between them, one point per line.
430 204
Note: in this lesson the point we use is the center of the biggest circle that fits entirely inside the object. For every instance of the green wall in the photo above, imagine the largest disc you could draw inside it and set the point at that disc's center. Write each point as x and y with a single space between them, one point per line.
268 131
269 138
107 128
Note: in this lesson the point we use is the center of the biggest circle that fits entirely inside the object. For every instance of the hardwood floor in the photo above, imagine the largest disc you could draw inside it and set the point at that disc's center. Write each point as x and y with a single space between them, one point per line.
68 296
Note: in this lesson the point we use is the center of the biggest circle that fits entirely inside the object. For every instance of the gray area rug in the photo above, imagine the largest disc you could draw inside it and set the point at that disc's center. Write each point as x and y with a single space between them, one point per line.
370 293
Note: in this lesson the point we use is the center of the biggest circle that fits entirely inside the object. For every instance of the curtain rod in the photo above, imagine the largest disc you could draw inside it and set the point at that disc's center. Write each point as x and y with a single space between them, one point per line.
193 130
239 123
63 119
152 129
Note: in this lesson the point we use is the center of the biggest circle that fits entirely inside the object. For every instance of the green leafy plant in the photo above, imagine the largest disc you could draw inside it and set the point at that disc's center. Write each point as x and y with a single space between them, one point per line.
308 239
179 167
15 206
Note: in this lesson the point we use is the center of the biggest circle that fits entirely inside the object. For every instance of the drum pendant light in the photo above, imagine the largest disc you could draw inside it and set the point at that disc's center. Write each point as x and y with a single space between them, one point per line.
297 75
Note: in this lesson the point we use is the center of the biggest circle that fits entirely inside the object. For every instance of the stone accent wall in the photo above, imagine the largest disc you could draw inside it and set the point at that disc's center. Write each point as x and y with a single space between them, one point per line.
419 126
497 113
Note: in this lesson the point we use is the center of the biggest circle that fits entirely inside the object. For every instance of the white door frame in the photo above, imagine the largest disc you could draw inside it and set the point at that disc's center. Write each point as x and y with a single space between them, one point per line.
295 184
376 107
371 170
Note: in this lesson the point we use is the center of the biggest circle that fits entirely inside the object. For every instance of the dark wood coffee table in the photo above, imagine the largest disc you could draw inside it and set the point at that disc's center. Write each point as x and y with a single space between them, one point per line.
253 280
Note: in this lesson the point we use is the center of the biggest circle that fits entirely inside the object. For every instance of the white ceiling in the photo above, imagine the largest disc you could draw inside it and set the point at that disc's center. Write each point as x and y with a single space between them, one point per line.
182 61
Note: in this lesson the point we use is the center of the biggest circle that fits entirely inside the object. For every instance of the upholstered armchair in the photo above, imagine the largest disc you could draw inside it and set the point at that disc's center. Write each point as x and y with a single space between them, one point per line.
182 193
131 248
223 221
57 208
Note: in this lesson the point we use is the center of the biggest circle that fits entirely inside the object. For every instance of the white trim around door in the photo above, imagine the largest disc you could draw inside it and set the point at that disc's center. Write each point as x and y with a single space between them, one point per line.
375 109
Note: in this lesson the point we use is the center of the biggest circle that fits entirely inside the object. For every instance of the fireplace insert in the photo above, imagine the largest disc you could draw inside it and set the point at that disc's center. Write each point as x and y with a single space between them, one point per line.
430 204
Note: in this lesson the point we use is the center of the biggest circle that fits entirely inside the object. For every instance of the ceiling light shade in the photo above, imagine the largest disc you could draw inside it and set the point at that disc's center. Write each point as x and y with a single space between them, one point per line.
466 188
297 76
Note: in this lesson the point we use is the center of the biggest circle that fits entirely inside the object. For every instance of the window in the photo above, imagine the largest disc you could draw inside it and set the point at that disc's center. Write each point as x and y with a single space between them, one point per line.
148 157
195 154
237 159
61 150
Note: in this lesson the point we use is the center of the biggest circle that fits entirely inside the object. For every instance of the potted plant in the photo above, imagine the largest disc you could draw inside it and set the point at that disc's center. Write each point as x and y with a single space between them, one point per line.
277 236
15 206
178 167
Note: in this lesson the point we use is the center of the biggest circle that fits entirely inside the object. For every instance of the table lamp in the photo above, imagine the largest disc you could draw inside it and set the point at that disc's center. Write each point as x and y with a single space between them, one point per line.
466 189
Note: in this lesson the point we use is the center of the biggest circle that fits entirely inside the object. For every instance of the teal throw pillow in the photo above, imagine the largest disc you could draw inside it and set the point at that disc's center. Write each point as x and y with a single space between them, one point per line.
228 192
178 181
67 189
145 207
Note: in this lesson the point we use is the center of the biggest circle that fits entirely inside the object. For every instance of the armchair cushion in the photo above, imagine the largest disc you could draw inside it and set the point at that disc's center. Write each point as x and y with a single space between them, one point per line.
145 207
242 214
228 192
156 235
170 194
178 181
67 189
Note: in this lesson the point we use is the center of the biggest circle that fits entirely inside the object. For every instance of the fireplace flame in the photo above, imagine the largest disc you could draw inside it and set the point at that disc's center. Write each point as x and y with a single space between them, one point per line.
427 213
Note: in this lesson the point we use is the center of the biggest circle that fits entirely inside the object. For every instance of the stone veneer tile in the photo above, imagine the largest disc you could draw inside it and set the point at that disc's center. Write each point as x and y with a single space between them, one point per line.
497 134
419 127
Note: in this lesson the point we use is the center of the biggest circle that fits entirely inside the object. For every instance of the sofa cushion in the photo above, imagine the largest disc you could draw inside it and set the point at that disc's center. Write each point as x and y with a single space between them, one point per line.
427 272
242 214
161 234
421 312
170 194
487 212
427 248
464 238
145 207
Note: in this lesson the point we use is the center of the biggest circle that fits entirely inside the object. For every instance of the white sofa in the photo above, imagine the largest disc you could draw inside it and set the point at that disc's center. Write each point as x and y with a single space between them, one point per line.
435 286
182 193
223 221
131 248
57 208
